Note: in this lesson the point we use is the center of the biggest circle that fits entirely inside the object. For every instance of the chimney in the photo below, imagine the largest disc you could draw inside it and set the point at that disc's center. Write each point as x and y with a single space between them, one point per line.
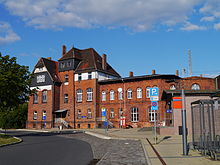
131 74
64 50
153 71
177 72
49 58
104 63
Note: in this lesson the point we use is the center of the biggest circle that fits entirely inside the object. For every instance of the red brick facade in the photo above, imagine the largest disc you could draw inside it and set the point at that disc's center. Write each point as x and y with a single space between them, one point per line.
64 108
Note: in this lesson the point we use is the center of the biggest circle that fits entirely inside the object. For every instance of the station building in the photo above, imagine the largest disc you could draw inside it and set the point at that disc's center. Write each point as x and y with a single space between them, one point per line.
75 91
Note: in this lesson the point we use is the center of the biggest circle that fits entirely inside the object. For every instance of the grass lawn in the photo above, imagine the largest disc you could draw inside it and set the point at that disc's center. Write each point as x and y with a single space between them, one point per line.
6 139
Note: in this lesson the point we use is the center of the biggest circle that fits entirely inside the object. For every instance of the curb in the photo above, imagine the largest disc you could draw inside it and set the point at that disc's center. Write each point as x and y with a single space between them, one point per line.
98 135
20 140
146 154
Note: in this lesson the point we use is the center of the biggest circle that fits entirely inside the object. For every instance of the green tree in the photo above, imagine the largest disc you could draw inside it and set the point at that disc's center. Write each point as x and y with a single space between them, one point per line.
14 87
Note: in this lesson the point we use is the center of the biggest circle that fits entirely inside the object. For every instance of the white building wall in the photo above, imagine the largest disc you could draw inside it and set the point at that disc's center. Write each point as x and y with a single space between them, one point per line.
41 88
95 75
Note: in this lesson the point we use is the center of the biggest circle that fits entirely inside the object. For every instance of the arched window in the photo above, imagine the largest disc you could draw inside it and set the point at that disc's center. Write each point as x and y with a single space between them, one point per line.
66 78
35 115
195 87
65 98
129 93
148 92
103 96
172 87
44 96
44 115
120 94
112 113
89 94
35 98
139 93
79 95
112 96
134 114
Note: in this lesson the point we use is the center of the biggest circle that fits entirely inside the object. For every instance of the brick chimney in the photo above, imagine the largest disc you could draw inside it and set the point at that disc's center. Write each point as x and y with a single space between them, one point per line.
131 74
104 63
63 50
177 72
153 71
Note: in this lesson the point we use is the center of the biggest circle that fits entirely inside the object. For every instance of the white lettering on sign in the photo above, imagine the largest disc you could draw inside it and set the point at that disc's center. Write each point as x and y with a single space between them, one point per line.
40 78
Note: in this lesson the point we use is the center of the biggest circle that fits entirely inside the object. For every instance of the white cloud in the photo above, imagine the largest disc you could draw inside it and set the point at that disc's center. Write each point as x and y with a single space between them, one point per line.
211 7
7 35
207 19
139 15
192 27
217 26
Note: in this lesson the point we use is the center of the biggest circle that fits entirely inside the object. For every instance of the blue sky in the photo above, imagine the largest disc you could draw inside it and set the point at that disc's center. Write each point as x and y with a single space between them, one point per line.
137 36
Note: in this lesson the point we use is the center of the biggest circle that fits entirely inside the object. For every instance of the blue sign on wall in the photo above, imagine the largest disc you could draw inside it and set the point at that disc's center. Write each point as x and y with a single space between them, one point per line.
44 117
169 110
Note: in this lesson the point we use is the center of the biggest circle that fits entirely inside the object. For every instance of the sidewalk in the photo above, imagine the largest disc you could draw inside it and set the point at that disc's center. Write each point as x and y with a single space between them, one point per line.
169 147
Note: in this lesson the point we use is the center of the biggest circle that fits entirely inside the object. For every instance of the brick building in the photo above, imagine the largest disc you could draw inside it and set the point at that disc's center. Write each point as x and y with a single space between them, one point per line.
74 92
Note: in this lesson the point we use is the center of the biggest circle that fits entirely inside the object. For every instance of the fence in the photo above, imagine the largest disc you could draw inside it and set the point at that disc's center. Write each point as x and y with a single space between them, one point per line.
206 127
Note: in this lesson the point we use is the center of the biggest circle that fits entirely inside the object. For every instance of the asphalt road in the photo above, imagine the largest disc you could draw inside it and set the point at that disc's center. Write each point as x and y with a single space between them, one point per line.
46 149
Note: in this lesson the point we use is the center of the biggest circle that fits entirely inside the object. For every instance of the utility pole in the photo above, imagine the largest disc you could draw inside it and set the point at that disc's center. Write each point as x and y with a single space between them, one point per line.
184 128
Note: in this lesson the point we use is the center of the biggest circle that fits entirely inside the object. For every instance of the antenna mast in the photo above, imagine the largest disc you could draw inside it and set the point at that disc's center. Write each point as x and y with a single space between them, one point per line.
190 63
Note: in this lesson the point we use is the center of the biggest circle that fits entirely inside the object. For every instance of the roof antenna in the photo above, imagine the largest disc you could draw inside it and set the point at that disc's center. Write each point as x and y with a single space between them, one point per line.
190 63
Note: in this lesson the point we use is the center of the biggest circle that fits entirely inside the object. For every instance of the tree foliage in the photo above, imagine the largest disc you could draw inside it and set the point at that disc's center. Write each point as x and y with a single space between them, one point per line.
15 80
14 83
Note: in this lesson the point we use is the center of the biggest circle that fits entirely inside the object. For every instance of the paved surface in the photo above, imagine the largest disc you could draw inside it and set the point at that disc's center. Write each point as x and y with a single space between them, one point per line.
114 151
46 149
169 147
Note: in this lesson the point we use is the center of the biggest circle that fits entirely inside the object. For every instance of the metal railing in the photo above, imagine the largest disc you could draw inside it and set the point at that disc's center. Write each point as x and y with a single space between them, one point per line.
206 127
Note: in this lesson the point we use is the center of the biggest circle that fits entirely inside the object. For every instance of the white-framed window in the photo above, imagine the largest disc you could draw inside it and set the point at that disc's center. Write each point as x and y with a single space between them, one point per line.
148 92
139 93
44 96
112 95
151 115
112 113
89 113
68 64
172 87
79 77
89 94
44 115
35 115
120 95
79 95
129 93
40 78
35 101
65 98
89 75
79 114
66 78
134 114
103 95
195 87
62 65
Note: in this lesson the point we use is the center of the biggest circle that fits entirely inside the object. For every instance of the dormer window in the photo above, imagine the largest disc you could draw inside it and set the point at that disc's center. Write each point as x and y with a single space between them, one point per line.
41 69
40 78
173 87
62 65
68 64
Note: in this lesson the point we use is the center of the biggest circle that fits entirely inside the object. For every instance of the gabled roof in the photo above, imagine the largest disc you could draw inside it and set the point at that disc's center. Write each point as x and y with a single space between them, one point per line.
52 67
90 60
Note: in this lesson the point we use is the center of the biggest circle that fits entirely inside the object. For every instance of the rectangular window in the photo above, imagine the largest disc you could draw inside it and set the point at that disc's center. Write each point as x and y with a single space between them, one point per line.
89 94
79 77
79 114
89 115
152 115
148 92
120 95
62 65
89 75
44 96
66 78
66 98
112 97
35 115
79 95
44 115
112 113
134 114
